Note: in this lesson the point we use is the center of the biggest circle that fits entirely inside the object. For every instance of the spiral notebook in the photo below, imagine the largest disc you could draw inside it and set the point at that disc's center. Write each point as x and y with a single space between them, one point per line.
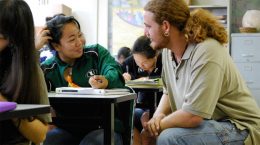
91 91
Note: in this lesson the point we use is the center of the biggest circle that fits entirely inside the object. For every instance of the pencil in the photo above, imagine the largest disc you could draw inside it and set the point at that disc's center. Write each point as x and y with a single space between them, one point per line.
127 69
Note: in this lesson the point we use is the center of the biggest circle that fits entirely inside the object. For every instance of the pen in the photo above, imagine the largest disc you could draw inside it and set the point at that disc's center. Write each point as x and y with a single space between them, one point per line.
127 69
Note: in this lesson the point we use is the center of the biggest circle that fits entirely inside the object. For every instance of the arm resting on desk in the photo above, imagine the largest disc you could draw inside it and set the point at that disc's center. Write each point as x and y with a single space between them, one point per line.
34 131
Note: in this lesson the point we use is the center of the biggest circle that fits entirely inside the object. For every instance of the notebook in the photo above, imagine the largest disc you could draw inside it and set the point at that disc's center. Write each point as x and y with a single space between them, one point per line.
7 106
153 82
91 91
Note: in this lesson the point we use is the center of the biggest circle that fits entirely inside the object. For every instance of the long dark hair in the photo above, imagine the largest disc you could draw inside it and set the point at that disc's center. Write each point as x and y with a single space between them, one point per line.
19 75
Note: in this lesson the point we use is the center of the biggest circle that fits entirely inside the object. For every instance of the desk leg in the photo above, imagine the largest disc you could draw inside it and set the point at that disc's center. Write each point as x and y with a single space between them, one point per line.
1 134
109 129
153 108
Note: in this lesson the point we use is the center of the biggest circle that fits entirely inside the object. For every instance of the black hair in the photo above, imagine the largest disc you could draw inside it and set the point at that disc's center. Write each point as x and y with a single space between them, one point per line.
49 18
124 51
19 80
142 46
55 26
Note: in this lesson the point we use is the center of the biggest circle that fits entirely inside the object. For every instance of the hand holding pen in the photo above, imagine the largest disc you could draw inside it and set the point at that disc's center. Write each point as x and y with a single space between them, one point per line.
126 75
98 82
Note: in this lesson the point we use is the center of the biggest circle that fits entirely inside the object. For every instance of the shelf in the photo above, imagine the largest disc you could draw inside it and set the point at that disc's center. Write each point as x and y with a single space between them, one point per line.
207 6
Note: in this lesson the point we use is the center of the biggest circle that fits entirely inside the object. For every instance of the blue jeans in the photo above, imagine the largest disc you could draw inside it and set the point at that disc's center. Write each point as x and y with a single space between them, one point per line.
210 132
58 136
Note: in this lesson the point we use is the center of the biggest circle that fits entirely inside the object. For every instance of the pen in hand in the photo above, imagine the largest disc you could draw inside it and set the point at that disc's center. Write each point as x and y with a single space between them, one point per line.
98 80
127 69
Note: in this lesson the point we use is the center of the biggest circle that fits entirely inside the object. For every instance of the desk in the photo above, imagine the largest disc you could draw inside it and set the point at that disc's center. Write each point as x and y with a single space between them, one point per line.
25 110
21 111
150 88
107 100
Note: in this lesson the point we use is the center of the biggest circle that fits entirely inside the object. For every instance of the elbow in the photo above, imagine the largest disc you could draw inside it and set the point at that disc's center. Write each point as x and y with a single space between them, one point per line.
41 136
196 121
39 139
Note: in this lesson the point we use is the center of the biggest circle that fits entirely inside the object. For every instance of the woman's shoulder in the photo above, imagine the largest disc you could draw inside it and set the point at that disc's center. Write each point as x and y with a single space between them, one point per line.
94 49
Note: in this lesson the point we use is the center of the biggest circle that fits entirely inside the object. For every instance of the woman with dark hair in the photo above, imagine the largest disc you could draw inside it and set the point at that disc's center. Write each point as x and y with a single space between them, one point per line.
21 79
144 63
77 65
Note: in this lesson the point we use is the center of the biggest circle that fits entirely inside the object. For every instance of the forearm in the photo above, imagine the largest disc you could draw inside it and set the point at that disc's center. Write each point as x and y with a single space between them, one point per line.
163 107
115 80
180 118
34 131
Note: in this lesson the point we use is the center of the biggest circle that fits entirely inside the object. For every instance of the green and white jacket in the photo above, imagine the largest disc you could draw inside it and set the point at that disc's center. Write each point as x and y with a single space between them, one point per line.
96 60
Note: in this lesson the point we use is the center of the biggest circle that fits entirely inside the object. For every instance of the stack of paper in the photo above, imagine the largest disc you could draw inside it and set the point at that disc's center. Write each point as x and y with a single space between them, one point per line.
153 82
91 91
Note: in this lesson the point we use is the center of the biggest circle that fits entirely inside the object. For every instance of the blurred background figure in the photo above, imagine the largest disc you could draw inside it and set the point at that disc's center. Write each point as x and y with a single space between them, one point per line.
122 54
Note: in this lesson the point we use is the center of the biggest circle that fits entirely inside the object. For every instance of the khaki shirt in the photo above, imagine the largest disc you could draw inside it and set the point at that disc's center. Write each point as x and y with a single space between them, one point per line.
207 83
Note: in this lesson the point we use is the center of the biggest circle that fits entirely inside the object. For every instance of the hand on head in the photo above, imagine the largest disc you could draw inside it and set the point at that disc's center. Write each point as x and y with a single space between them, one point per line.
98 82
42 38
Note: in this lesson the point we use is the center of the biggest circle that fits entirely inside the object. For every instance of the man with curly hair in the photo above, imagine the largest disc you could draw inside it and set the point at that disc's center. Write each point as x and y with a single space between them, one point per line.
205 100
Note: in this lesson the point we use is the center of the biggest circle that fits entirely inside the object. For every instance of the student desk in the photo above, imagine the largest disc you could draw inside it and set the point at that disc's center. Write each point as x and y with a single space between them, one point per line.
108 101
150 88
25 110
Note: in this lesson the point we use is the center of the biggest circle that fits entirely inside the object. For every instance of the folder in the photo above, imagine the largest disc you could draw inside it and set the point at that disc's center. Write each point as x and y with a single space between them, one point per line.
7 106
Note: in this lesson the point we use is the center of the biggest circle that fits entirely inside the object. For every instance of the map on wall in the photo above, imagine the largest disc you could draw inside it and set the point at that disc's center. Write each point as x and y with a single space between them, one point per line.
130 11
126 23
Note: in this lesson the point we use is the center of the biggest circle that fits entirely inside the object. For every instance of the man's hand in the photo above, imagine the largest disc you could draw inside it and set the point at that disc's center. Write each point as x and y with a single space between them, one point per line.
153 125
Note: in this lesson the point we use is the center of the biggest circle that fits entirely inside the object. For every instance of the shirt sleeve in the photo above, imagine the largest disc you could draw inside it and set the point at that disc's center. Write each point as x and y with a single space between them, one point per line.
110 68
206 81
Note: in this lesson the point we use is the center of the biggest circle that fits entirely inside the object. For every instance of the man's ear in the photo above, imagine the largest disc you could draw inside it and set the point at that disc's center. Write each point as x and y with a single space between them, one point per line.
166 26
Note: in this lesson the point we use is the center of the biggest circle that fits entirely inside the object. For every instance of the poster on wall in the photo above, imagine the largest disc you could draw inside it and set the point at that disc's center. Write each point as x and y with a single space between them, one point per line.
126 23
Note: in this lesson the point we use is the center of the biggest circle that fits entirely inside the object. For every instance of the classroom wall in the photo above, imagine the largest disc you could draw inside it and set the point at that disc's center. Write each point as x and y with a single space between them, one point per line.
92 15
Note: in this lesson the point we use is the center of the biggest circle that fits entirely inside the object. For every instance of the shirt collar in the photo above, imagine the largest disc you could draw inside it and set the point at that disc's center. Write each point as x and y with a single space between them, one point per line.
188 51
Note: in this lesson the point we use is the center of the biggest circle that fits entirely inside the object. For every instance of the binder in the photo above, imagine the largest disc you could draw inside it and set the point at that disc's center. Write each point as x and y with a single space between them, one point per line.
7 106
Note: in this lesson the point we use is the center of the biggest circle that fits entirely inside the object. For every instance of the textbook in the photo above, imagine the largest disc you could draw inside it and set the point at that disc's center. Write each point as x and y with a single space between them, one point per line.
91 91
153 82
7 106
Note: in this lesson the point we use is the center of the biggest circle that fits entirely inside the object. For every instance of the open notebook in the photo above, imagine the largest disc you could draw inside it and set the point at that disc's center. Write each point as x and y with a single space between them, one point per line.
91 91
7 106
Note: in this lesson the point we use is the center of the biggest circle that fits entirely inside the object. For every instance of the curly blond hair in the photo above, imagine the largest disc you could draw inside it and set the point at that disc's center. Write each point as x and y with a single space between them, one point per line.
197 25
202 24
